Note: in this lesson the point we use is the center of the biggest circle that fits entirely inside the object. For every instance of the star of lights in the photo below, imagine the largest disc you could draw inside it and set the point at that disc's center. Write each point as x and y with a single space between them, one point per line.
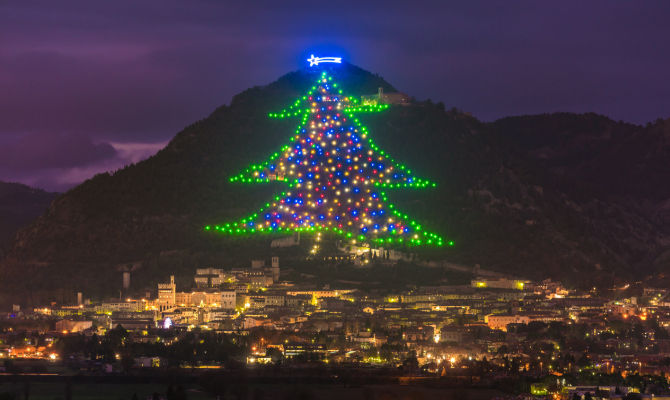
316 60
336 176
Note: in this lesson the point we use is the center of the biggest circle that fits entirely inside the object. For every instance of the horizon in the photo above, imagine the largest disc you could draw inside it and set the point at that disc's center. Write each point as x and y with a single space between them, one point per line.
90 89
130 153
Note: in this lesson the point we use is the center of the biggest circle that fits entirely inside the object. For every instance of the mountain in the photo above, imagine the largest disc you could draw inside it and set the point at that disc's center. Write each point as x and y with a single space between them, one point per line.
572 196
20 205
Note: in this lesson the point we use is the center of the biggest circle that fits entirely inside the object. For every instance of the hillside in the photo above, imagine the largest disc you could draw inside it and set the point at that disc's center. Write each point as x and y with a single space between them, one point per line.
578 197
20 205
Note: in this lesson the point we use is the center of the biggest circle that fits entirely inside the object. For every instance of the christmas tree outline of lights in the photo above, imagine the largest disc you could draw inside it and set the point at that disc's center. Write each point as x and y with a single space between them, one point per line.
271 217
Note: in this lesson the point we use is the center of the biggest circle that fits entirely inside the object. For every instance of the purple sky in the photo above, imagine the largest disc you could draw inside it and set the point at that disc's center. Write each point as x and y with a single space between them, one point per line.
88 86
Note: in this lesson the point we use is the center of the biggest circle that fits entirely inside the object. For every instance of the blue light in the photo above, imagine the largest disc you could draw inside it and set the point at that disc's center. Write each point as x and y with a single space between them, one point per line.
316 60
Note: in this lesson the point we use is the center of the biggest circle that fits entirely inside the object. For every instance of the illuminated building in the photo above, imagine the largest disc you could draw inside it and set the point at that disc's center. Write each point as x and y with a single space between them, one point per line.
500 283
166 294
386 98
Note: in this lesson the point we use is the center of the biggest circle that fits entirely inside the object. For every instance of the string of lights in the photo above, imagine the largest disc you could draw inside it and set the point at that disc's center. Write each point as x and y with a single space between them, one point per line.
335 173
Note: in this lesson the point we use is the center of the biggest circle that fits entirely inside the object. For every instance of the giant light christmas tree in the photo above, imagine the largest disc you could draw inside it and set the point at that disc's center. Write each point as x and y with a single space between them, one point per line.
336 176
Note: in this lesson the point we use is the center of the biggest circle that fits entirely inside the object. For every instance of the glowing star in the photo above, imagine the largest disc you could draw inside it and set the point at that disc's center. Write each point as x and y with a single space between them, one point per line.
316 60
336 177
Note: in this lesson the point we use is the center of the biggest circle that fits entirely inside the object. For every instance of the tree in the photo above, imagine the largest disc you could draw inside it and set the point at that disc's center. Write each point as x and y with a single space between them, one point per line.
180 393
336 177
68 389
259 394
127 362
411 364
275 355
170 394
584 361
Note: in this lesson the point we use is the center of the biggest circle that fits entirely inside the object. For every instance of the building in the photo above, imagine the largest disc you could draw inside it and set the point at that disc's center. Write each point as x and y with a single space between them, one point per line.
209 277
167 294
257 301
296 349
288 241
228 300
185 315
70 326
500 283
259 280
224 299
320 293
275 267
500 321
134 320
128 306
260 275
380 97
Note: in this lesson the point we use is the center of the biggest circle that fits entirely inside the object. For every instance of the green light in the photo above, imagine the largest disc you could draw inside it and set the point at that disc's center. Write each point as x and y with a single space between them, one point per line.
276 168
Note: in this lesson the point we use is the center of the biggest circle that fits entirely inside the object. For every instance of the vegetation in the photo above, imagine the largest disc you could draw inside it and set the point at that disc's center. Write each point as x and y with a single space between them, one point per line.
552 195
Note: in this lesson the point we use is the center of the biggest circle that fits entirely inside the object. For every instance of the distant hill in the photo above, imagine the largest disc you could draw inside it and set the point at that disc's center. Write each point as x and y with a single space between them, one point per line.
577 197
20 205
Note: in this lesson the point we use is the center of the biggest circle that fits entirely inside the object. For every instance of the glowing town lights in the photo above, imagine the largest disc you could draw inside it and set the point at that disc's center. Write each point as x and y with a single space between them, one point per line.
336 177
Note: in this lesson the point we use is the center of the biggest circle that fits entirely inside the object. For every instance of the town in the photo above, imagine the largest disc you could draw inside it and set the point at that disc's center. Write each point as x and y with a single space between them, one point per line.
537 339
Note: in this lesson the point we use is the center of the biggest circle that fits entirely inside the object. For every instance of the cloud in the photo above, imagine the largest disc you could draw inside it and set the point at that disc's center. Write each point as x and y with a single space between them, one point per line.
59 162
39 151
139 74
135 152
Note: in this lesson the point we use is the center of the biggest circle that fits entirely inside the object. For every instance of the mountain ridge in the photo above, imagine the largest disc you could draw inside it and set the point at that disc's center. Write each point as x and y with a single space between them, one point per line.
527 195
19 205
